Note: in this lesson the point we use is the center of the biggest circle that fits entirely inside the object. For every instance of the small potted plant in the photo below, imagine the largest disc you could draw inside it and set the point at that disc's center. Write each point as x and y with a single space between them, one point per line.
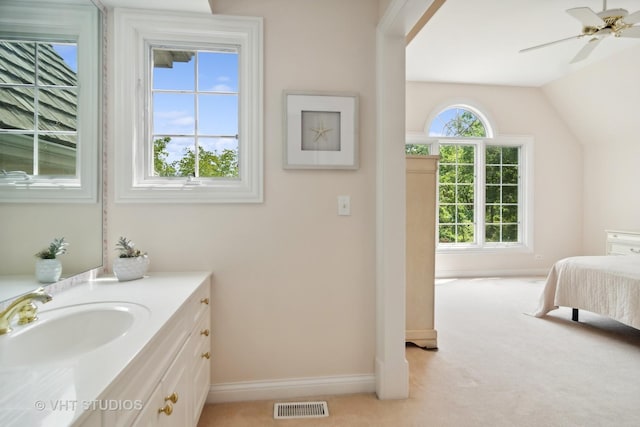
48 266
131 263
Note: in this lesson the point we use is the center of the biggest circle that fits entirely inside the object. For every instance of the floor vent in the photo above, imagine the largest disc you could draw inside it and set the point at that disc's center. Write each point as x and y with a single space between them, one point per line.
300 410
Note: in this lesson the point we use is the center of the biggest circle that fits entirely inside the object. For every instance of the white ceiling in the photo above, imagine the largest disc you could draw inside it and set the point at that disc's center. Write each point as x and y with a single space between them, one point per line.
471 41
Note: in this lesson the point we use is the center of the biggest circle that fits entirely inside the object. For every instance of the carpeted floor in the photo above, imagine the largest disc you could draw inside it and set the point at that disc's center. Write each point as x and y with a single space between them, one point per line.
495 366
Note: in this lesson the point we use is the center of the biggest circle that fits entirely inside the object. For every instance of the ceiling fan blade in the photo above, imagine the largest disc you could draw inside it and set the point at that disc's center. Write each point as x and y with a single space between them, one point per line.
550 43
633 18
586 50
631 32
586 16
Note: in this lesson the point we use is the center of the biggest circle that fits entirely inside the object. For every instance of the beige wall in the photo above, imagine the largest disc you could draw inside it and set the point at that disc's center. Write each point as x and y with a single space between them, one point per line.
600 106
294 284
557 172
30 227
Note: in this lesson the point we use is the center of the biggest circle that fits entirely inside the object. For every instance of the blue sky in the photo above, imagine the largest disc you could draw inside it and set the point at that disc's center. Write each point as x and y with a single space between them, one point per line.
437 125
68 52
217 99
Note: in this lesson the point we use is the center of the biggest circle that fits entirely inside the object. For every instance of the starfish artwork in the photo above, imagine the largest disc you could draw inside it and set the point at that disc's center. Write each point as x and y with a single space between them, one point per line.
321 131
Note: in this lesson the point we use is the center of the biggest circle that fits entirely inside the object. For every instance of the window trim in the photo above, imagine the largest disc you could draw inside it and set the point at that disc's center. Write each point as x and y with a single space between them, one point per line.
133 32
78 22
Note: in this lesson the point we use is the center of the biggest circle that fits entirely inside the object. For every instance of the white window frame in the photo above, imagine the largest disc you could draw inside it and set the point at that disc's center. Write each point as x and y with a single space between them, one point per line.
525 191
63 22
133 31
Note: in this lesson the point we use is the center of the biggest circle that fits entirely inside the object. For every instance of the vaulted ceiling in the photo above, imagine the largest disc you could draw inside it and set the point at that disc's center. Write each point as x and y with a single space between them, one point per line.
479 42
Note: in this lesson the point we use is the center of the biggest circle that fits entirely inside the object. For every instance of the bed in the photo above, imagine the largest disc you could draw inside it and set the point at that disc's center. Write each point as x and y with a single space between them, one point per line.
607 285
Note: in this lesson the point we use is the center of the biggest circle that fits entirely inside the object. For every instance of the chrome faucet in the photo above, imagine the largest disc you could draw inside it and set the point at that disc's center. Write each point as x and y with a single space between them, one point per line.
24 307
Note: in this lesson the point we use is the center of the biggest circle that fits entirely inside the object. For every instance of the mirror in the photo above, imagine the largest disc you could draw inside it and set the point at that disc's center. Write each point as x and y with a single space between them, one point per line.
30 225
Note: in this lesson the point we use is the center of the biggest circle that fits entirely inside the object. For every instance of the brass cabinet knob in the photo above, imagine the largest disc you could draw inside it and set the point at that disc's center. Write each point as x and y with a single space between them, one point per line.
206 355
168 409
173 397
204 332
204 301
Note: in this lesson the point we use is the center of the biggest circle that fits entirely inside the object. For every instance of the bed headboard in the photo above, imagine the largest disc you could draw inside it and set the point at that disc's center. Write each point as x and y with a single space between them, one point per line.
623 242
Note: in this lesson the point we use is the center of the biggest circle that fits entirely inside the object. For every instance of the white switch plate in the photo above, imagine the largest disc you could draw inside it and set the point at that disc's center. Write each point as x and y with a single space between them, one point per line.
344 205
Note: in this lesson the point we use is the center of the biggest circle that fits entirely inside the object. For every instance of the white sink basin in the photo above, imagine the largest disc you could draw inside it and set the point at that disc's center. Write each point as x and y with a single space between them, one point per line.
70 331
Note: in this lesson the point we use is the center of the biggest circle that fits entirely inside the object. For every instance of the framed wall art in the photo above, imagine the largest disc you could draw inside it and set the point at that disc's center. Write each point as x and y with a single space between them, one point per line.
321 130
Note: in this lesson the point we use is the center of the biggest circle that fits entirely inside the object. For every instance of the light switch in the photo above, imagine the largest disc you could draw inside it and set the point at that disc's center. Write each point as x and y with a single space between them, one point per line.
344 205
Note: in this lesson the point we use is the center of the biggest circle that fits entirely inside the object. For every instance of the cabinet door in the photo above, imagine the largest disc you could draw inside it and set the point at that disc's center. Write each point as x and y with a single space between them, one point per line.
168 405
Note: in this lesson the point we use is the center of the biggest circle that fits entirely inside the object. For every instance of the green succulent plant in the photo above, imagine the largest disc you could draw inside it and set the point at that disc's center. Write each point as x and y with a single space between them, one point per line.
55 248
127 249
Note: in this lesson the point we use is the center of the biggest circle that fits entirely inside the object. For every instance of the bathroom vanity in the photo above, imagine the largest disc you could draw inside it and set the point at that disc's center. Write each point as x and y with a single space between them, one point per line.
109 353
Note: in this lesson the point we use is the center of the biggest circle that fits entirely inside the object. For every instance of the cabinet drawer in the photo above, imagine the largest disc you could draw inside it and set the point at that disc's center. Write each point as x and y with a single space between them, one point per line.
201 365
623 249
200 303
623 243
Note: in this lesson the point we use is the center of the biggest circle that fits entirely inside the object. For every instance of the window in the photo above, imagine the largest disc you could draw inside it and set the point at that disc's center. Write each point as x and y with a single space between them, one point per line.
38 88
456 193
502 185
49 96
194 132
484 196
202 139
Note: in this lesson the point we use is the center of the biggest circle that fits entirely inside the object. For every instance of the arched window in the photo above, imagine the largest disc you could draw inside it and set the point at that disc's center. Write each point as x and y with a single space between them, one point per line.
458 121
481 180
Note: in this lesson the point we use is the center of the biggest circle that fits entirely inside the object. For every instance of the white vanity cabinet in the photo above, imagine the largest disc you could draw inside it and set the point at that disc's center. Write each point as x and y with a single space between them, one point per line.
170 376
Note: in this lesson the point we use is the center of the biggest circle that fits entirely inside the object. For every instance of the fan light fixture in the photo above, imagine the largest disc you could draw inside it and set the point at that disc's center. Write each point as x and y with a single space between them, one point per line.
597 26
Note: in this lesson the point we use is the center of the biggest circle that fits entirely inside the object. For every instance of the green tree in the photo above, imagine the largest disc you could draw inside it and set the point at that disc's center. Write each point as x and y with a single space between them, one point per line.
160 154
416 149
210 164
465 125
456 179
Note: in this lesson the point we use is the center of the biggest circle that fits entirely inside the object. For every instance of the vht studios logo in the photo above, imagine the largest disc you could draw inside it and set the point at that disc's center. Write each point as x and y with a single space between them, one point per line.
89 405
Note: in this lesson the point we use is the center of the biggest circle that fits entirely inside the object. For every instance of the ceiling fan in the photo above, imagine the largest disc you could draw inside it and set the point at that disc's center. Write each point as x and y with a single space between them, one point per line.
597 26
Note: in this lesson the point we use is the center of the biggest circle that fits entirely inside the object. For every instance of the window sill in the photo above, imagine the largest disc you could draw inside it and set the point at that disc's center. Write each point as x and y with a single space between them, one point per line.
500 250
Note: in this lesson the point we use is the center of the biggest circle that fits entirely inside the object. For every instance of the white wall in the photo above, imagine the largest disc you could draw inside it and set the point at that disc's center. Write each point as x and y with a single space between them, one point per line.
600 106
294 284
557 172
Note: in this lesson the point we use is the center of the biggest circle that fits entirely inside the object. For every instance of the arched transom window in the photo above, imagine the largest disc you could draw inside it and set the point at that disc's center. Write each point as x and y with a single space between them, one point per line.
481 180
457 122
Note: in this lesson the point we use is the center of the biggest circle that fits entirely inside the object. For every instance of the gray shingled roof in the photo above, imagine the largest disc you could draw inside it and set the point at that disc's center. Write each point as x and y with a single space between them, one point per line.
57 106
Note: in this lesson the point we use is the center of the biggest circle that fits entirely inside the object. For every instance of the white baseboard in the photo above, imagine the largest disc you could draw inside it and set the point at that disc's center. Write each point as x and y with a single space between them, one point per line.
291 388
448 274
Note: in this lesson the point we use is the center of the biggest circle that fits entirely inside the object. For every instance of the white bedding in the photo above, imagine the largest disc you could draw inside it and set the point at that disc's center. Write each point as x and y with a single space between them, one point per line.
607 285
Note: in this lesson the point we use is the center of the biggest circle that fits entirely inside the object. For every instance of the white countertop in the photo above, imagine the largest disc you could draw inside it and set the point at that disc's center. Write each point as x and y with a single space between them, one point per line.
13 285
57 393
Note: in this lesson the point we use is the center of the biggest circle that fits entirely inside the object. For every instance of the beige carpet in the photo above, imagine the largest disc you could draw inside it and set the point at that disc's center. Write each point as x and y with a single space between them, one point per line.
495 366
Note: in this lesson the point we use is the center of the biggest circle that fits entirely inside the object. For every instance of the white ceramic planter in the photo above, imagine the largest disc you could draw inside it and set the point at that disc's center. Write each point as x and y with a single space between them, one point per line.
48 270
130 268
